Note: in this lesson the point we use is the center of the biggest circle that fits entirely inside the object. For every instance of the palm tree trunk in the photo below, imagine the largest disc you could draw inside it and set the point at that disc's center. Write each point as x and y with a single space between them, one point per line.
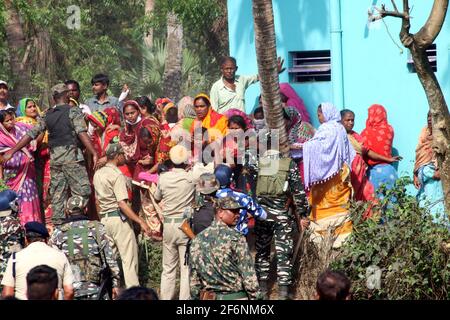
148 39
266 55
172 78
18 51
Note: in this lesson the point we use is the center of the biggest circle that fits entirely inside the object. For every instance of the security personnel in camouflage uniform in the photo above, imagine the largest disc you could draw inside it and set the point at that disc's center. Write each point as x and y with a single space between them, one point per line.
11 233
66 127
278 181
221 265
86 246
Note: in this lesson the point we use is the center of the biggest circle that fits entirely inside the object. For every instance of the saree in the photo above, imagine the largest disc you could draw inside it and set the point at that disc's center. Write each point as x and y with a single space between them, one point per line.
136 149
362 188
215 123
42 161
378 135
330 205
327 160
294 100
19 174
298 133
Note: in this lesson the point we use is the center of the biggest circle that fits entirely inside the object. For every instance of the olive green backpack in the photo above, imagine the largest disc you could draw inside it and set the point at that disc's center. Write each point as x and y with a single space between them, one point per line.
272 177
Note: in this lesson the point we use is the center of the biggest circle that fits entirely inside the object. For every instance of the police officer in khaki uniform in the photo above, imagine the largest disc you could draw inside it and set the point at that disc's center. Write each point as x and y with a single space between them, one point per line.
115 213
36 253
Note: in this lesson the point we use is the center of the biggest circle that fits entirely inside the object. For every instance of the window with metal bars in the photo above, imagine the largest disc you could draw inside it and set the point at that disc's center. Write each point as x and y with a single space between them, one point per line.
432 58
310 66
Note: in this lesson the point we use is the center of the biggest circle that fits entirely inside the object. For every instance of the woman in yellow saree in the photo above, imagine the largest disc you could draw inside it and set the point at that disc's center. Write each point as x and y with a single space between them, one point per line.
327 162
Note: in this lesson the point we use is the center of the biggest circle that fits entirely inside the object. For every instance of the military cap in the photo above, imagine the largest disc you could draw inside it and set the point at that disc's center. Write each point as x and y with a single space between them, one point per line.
76 204
59 88
207 183
36 227
114 149
228 203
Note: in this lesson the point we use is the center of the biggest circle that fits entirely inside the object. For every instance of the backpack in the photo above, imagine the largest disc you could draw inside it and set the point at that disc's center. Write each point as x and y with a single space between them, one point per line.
85 266
272 182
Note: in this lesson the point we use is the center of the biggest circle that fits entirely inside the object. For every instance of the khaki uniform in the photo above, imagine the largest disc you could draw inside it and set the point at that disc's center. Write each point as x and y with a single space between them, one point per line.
33 255
110 188
176 190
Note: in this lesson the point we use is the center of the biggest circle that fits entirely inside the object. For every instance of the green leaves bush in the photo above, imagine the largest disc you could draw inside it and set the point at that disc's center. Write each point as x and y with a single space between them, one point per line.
408 248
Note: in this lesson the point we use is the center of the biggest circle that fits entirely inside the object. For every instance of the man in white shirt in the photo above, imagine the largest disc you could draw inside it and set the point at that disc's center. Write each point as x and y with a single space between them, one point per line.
229 91
4 96
36 253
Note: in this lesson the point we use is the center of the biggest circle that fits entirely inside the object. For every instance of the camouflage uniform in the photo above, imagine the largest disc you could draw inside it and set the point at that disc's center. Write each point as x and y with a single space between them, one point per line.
86 271
279 225
66 167
220 261
11 239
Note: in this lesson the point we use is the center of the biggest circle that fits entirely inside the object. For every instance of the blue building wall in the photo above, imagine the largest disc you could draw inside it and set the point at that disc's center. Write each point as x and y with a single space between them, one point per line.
374 70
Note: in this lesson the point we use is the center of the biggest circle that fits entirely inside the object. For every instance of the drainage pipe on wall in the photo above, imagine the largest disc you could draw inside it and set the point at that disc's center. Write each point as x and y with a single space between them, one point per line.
337 71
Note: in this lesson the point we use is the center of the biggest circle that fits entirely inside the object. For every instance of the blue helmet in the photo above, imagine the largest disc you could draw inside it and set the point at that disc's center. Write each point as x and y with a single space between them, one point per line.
7 198
223 174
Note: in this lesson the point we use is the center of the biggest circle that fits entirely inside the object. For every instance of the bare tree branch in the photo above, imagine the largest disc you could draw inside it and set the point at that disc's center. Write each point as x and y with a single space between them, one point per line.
394 5
433 26
406 38
385 13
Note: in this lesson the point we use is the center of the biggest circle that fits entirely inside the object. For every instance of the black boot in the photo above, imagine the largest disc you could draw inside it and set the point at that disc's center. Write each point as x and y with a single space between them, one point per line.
264 287
283 293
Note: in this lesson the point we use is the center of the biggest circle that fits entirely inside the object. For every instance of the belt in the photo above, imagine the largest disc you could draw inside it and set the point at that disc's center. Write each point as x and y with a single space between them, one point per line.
173 220
232 296
110 214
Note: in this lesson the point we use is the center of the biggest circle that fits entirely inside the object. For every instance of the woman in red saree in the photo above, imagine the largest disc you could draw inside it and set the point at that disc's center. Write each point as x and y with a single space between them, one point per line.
363 189
140 139
19 172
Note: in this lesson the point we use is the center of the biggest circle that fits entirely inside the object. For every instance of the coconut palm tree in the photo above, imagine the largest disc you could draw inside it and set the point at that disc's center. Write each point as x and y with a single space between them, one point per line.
266 55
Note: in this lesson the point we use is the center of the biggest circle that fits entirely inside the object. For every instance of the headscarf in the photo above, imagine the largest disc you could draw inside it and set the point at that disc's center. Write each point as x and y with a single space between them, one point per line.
168 106
236 112
182 104
298 130
327 152
21 111
424 151
378 134
100 118
216 123
113 116
294 100
136 106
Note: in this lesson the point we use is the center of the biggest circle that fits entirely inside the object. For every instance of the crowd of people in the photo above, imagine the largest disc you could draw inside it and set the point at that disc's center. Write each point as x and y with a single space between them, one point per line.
200 175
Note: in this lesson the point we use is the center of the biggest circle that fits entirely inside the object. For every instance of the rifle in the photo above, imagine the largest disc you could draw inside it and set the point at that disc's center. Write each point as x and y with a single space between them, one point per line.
105 289
186 228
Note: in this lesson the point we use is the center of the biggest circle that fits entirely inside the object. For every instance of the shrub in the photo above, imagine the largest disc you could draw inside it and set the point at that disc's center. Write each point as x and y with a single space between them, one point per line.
150 263
403 255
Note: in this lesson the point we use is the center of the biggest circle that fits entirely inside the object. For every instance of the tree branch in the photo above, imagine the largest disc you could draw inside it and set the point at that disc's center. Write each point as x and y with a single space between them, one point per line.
386 13
428 33
405 37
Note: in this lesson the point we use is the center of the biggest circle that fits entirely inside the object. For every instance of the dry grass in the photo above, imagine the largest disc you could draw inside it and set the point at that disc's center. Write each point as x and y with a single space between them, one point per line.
315 257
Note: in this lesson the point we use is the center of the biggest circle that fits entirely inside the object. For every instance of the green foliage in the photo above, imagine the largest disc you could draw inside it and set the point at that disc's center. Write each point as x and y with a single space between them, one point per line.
3 185
110 40
407 246
147 77
150 263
